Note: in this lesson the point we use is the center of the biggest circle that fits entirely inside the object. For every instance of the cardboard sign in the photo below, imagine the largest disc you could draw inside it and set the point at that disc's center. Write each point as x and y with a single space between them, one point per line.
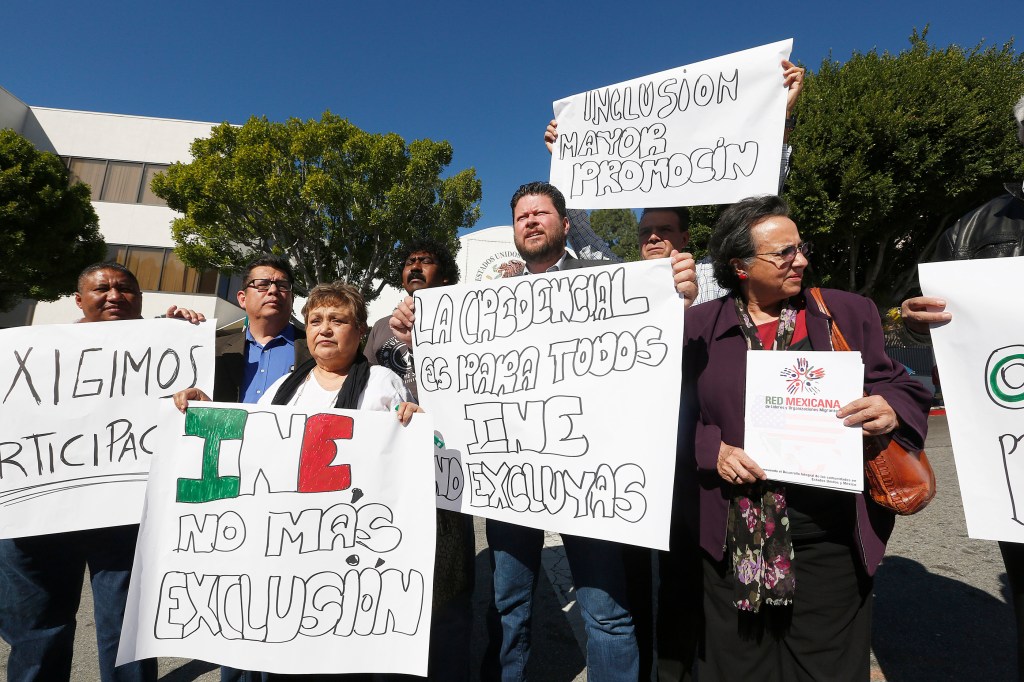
78 417
557 398
705 133
282 541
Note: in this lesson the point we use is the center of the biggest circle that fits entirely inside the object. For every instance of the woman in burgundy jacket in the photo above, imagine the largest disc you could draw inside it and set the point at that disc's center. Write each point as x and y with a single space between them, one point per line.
787 568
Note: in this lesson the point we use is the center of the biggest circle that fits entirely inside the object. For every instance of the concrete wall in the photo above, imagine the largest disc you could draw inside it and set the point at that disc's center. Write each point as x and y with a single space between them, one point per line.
121 138
12 112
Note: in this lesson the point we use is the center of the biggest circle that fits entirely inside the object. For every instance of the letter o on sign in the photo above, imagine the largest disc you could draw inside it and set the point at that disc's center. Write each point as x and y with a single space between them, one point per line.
1004 377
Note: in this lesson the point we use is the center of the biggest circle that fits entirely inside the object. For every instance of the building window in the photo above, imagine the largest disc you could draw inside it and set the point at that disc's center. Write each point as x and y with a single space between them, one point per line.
159 269
147 196
89 171
122 182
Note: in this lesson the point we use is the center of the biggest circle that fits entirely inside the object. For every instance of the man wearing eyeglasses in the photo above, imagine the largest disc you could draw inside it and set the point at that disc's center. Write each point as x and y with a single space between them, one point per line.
270 346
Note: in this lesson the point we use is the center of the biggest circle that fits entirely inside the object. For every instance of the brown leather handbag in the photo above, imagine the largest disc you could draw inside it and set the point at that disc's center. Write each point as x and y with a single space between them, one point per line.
898 480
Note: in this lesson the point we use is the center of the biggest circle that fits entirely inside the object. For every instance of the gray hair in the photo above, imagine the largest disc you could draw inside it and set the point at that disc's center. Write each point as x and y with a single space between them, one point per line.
731 237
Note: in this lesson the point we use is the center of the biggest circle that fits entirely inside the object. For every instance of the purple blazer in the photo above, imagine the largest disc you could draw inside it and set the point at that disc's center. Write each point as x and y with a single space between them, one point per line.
714 374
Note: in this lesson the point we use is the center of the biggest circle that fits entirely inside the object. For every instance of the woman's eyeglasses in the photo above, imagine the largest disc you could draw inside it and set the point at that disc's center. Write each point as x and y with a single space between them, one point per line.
788 254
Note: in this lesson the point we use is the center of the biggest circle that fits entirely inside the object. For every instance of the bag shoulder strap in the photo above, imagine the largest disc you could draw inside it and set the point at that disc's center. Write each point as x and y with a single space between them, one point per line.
838 340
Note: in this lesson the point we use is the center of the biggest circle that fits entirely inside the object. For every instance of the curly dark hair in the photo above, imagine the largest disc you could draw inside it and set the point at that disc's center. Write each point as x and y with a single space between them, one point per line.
731 237
447 267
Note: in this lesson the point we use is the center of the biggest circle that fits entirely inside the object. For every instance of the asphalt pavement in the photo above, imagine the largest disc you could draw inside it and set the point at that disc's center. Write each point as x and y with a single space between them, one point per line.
941 604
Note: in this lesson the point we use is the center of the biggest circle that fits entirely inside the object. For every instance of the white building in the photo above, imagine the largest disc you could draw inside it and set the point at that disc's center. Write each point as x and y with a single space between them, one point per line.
117 156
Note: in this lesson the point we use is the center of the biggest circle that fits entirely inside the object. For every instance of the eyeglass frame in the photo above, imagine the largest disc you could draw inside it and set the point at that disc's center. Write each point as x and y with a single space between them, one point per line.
287 288
805 248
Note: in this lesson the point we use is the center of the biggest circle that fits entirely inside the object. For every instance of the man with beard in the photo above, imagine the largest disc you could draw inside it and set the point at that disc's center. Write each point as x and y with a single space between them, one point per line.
540 226
427 263
41 576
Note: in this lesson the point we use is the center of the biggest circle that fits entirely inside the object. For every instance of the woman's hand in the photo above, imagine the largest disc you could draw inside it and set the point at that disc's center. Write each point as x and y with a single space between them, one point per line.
181 398
684 276
872 413
736 467
405 411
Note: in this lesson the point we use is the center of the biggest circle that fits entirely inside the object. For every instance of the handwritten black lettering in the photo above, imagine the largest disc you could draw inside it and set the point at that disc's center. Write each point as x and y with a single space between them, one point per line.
280 608
525 488
500 312
545 427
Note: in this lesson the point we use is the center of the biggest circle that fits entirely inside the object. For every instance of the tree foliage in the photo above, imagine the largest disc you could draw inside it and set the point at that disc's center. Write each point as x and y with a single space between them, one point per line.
617 227
891 149
333 198
49 231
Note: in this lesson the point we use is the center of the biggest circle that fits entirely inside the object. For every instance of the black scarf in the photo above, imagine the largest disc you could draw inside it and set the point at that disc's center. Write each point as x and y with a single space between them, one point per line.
348 396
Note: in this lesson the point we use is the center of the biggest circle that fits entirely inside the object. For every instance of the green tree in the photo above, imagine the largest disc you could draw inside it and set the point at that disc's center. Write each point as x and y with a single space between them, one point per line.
334 199
891 149
49 231
617 227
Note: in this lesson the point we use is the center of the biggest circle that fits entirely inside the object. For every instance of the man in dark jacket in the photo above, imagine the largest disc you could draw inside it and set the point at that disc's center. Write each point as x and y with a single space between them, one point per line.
250 360
993 230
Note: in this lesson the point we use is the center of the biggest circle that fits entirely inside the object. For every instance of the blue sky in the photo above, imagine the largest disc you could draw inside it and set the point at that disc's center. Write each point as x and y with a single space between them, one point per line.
480 74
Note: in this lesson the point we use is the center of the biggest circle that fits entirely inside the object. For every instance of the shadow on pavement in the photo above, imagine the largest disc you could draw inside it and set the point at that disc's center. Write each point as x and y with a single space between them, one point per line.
554 655
929 627
188 671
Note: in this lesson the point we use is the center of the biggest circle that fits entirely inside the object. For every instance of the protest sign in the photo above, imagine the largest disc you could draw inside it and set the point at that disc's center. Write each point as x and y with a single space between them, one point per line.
283 541
557 397
706 133
792 431
980 356
77 422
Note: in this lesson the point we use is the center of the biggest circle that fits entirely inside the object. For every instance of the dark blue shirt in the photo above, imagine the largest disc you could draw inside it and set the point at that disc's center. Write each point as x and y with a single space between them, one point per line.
265 364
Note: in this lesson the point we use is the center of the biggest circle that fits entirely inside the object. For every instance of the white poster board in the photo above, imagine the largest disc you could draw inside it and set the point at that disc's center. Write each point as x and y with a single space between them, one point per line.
980 356
282 541
705 133
792 431
78 417
557 397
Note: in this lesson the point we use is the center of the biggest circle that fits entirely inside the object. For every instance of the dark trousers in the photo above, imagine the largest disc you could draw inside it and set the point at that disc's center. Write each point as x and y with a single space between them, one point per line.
824 635
639 593
40 589
680 609
1013 560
